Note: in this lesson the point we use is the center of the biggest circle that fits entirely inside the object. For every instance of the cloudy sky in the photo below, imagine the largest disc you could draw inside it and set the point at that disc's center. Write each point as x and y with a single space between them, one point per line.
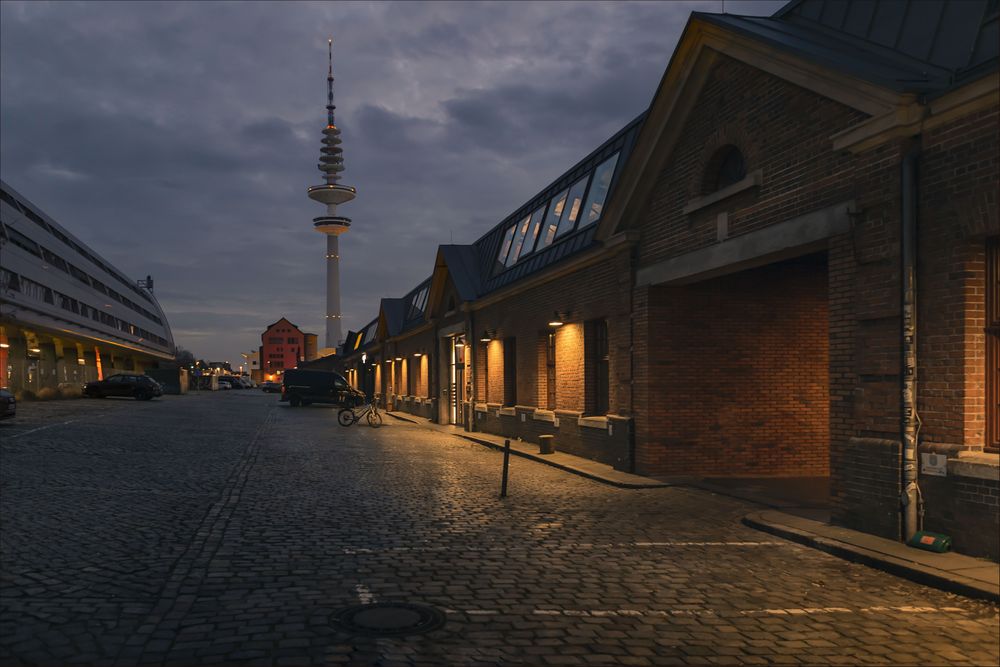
178 139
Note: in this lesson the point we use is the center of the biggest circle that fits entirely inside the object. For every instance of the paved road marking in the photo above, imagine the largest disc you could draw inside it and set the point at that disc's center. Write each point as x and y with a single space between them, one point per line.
662 613
354 551
42 428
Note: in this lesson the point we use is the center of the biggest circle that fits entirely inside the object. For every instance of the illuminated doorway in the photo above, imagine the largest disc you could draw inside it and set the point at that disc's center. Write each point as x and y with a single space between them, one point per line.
456 380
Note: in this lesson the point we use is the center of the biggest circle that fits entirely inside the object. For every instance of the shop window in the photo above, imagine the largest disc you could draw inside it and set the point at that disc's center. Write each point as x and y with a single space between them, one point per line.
596 367
510 371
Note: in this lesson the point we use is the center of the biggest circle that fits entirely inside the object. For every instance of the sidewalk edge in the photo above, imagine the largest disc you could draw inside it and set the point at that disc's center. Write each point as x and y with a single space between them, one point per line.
566 468
899 568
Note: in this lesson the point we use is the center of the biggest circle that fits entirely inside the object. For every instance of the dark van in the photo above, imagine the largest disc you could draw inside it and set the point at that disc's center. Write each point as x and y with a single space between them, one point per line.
304 386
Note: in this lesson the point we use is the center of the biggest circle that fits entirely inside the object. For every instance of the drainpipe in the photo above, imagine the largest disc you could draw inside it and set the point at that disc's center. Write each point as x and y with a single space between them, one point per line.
908 407
471 339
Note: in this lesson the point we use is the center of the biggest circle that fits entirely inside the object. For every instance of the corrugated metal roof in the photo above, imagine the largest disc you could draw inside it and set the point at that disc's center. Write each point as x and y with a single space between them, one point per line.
393 311
463 267
926 46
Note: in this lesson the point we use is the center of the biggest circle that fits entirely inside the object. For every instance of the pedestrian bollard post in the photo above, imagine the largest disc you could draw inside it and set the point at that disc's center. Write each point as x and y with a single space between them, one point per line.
506 467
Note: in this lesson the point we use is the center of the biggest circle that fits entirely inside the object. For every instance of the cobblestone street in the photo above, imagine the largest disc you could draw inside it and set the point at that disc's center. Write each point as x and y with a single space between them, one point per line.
230 529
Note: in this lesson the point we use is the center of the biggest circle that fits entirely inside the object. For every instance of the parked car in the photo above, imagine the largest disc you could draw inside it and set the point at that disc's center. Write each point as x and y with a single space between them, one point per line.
223 383
234 382
8 406
305 386
139 387
269 387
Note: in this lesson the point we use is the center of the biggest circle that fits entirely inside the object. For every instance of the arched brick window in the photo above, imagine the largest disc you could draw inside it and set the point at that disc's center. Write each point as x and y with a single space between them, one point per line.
726 167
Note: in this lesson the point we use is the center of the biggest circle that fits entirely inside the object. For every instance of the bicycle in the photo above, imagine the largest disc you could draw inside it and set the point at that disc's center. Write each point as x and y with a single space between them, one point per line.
348 417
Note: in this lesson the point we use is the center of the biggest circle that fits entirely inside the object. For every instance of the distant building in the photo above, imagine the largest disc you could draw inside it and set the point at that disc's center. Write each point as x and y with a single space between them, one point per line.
252 364
311 346
283 346
66 314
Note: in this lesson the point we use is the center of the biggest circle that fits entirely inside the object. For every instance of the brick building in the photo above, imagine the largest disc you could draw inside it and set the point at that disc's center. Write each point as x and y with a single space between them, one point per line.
283 346
718 289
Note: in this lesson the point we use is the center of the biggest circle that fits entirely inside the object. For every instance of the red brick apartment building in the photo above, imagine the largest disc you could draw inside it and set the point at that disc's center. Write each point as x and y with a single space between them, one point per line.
787 266
284 346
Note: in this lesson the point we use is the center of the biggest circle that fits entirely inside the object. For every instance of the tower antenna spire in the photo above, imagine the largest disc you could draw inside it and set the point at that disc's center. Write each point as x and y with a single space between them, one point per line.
332 194
329 83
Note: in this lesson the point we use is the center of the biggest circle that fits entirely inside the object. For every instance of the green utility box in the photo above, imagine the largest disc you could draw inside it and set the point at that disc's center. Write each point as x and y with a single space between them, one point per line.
931 542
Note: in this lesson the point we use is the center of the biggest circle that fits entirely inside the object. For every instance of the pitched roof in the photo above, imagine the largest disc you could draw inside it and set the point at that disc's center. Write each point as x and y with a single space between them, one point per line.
463 267
929 46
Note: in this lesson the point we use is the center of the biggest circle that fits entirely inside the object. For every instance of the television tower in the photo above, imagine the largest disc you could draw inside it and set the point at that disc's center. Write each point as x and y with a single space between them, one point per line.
332 193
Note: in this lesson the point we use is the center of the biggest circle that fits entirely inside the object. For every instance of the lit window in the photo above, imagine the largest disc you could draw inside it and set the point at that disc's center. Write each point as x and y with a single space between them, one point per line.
505 246
417 304
552 219
515 248
599 189
573 203
536 224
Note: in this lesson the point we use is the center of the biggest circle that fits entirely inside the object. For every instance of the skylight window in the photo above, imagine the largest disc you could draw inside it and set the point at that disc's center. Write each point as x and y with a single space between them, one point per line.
573 202
536 224
418 304
505 246
552 219
515 248
599 189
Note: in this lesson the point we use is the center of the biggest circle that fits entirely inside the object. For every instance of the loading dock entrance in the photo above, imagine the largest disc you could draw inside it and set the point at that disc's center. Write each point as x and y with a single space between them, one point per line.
738 374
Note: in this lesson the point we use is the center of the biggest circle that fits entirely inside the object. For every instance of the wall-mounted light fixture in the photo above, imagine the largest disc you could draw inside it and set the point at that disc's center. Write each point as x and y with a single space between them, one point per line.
399 358
364 357
557 319
459 342
487 336
418 354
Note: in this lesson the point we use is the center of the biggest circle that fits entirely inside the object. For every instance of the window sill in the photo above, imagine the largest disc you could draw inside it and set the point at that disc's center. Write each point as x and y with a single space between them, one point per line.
544 416
752 180
593 422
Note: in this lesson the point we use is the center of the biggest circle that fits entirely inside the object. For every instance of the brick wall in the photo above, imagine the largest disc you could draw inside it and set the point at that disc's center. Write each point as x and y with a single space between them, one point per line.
611 446
867 486
965 508
958 211
597 291
739 375
781 129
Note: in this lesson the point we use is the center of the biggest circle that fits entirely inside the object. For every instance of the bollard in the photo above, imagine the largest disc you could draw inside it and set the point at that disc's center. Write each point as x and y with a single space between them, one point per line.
506 468
546 444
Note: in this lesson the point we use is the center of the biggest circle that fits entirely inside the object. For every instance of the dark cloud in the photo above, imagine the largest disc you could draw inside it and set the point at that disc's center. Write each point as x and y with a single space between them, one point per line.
178 138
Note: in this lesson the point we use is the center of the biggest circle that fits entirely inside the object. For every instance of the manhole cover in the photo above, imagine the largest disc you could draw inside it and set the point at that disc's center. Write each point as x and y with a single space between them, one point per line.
389 619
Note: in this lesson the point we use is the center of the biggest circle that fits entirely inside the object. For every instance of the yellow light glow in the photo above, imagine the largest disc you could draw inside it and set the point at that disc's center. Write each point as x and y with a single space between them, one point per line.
555 324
